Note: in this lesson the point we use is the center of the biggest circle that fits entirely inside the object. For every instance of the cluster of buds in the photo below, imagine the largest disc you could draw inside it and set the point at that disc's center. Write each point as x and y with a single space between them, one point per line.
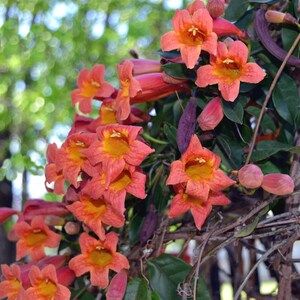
251 177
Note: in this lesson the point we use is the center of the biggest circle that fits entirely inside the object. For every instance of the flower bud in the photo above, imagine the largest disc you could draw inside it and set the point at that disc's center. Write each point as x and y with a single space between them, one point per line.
278 184
117 287
145 66
216 8
250 176
72 228
274 16
211 115
6 212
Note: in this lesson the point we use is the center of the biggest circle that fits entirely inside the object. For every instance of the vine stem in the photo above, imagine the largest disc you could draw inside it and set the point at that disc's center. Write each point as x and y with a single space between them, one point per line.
268 96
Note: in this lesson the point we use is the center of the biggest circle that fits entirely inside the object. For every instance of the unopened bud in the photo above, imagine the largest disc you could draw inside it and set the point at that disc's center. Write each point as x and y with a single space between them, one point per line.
117 287
216 8
72 228
54 221
274 16
278 184
250 176
211 115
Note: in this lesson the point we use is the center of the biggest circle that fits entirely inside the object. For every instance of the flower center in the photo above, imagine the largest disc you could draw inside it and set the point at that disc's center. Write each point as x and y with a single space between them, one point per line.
100 257
74 151
229 70
90 88
95 206
116 145
35 238
47 289
193 36
121 182
199 169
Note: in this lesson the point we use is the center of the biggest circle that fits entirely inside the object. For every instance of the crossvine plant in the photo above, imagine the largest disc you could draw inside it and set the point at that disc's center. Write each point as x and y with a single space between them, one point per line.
198 148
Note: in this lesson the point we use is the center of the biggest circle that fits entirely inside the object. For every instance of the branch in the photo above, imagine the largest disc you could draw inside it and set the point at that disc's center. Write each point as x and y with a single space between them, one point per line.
268 96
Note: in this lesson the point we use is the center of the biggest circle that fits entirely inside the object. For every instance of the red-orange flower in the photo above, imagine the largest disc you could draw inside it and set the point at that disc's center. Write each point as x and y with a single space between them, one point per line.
192 33
71 159
45 285
200 208
95 213
130 180
228 69
91 84
51 173
129 88
34 238
97 258
117 145
199 169
11 284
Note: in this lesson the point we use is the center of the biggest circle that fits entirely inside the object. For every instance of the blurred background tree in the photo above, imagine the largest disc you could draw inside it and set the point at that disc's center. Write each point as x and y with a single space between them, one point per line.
43 46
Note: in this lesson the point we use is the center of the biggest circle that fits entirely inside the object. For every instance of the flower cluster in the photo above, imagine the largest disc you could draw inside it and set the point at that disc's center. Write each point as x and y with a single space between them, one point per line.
99 166
198 181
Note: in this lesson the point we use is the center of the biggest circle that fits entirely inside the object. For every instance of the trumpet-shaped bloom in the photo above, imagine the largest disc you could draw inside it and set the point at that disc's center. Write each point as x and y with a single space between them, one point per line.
129 88
97 258
192 34
228 69
45 285
95 213
200 208
35 207
71 158
211 115
6 212
117 145
128 181
11 285
199 169
34 238
91 84
51 173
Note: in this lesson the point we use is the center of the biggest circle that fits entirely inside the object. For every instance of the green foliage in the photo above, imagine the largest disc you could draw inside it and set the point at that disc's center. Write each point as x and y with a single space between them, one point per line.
167 272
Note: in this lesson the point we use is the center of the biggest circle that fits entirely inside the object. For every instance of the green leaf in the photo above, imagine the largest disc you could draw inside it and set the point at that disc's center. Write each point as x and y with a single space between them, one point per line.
175 70
267 123
288 36
170 132
166 272
268 168
247 229
265 149
137 289
286 100
295 150
169 54
233 111
236 9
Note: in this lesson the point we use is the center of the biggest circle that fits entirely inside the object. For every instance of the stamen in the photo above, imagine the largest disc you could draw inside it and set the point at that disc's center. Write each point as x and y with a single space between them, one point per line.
80 144
99 248
95 83
36 230
228 61
194 30
115 134
200 160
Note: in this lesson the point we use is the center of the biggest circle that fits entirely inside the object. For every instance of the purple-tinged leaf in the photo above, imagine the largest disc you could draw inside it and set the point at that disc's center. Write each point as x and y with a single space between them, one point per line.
186 126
